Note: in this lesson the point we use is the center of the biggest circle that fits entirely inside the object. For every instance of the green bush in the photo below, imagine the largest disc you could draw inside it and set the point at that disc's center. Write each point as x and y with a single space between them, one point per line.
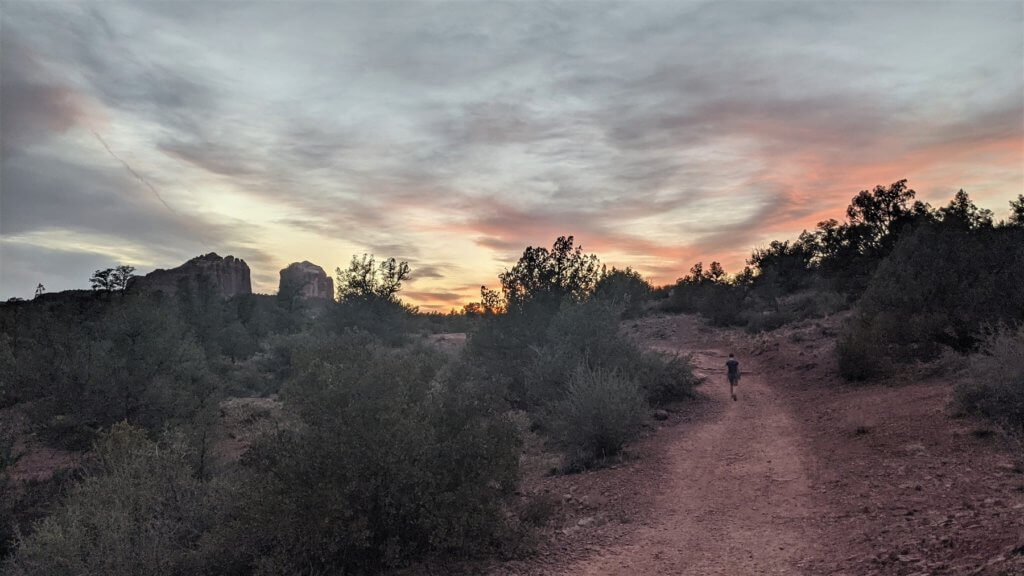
584 333
710 293
860 356
387 320
389 463
993 386
588 334
600 413
133 359
937 288
139 510
625 288
665 378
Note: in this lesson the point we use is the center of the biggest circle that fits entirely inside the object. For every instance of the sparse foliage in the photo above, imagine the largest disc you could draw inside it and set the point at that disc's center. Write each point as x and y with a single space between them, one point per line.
601 411
112 279
365 279
139 510
1017 212
994 384
490 303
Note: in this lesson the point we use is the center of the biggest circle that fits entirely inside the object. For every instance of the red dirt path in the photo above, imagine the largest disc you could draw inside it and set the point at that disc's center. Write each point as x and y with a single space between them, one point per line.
803 475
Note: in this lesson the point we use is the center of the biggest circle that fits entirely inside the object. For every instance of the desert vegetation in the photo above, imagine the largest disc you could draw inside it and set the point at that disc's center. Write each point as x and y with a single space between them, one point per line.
918 282
390 453
387 452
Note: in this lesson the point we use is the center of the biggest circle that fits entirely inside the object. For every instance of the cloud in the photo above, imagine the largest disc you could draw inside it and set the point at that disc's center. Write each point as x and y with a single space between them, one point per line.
453 135
25 266
434 297
33 103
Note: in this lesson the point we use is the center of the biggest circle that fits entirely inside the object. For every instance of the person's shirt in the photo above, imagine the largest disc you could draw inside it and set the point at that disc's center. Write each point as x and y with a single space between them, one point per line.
734 366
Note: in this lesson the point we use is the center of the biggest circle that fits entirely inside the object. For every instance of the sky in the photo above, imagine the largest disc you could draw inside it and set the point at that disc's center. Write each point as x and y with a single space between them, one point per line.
453 135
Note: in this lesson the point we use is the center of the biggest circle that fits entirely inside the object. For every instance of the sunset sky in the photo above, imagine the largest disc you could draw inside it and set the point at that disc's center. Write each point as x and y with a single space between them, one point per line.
454 135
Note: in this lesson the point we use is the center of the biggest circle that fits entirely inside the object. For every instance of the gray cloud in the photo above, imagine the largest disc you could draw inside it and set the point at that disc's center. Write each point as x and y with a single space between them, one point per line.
664 133
34 103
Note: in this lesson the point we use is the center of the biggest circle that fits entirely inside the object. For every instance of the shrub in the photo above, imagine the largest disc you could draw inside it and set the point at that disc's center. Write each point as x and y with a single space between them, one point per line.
8 373
625 288
936 289
387 320
941 284
994 383
666 378
389 464
502 345
600 413
584 333
859 356
133 359
588 334
709 293
139 510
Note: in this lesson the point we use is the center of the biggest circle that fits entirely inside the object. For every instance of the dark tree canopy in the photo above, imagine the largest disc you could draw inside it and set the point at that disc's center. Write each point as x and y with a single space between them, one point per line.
962 212
490 303
698 275
624 287
112 279
1017 211
788 263
543 276
878 215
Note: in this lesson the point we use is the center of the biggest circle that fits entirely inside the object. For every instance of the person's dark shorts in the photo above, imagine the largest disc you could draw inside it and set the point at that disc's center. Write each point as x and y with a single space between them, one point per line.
734 379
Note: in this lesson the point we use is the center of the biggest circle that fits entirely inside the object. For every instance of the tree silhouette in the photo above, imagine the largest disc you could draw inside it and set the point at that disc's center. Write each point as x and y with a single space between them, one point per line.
964 213
366 279
543 276
1017 211
101 280
112 279
877 216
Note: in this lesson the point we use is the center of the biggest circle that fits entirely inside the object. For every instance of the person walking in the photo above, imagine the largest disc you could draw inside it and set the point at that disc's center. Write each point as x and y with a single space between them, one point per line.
733 367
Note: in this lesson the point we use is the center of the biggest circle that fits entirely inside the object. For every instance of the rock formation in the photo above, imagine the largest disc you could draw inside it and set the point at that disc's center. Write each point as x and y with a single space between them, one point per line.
229 276
306 280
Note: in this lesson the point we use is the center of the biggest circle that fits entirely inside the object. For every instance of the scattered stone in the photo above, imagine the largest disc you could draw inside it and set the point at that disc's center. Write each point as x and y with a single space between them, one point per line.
660 415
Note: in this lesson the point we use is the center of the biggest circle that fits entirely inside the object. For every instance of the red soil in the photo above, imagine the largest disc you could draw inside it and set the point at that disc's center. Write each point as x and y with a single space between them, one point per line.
802 475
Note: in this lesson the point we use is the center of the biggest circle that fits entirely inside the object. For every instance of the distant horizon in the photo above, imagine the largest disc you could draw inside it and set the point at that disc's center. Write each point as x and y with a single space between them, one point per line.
454 135
331 272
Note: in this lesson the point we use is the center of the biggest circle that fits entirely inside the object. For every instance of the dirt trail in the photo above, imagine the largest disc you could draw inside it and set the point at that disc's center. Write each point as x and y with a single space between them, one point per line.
734 499
804 475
